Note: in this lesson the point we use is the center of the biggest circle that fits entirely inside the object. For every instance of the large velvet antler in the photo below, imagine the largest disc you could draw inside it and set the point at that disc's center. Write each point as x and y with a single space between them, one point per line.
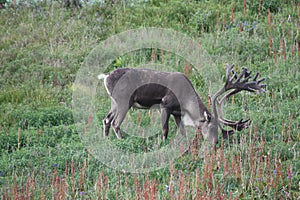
234 84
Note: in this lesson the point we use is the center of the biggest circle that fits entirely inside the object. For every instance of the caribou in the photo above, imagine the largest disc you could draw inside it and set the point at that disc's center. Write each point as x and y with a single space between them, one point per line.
174 94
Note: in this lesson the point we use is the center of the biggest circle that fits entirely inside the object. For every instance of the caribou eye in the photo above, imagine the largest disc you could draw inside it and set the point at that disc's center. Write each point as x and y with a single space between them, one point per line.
207 117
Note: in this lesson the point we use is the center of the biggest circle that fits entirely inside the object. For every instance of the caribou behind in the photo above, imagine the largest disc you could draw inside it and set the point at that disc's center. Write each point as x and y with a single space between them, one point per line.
176 96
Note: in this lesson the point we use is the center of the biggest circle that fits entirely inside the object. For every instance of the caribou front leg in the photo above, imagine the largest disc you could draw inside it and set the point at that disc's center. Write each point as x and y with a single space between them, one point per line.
179 124
165 116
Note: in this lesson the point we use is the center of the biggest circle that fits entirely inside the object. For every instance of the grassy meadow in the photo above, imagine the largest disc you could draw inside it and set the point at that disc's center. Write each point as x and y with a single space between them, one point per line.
44 44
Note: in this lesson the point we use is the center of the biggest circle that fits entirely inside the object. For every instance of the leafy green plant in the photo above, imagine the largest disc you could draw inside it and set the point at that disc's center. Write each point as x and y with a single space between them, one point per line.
263 6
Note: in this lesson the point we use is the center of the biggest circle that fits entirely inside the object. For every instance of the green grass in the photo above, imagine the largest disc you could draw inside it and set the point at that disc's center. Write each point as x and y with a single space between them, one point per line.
42 155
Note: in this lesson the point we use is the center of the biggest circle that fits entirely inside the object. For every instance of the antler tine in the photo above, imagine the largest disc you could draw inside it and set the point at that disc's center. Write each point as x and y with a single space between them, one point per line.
243 73
263 86
256 76
247 73
226 133
228 71
236 125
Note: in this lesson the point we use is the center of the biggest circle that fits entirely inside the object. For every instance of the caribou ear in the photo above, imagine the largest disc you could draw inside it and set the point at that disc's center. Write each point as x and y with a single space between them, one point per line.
206 116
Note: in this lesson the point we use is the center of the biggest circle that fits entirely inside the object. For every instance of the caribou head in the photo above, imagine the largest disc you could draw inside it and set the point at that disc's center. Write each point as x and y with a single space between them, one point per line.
176 96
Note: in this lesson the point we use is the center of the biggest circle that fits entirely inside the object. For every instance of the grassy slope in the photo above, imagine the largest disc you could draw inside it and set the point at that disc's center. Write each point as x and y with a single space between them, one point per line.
42 48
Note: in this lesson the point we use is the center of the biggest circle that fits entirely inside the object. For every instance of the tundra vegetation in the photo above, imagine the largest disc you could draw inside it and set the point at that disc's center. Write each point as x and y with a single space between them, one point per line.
43 44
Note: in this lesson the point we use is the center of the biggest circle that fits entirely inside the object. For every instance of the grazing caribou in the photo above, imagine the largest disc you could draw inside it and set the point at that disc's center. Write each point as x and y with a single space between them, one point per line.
175 95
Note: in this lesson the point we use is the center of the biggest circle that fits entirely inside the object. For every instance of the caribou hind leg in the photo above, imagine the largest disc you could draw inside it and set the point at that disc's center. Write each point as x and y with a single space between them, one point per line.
107 122
109 118
118 119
